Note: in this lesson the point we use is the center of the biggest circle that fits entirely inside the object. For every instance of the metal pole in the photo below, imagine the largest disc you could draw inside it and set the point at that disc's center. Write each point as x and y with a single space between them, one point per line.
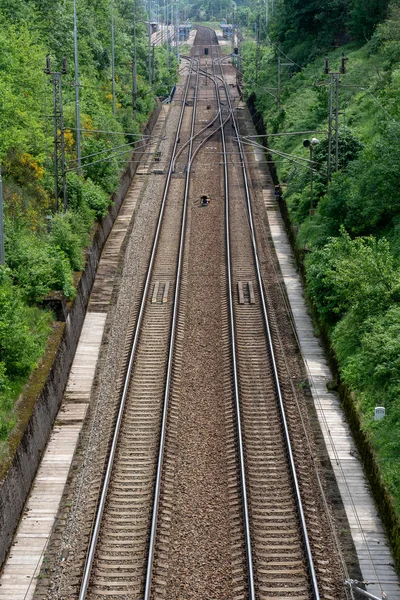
62 141
172 26
162 23
153 64
2 259
166 7
113 60
337 123
55 136
278 97
177 30
311 181
149 48
258 47
330 127
77 105
134 68
157 16
240 49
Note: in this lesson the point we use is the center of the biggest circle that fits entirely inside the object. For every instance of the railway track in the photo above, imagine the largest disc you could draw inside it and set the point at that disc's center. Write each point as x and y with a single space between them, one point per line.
279 547
282 511
272 546
118 543
116 557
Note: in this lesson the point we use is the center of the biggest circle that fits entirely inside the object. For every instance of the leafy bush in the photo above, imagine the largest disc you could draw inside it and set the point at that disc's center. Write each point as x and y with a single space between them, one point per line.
104 173
6 424
7 420
4 383
354 274
37 266
23 334
69 233
375 367
23 330
97 200
366 198
86 198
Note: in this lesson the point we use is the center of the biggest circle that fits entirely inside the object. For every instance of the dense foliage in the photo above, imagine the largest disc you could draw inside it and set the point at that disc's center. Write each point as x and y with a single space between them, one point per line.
44 247
319 23
309 28
352 242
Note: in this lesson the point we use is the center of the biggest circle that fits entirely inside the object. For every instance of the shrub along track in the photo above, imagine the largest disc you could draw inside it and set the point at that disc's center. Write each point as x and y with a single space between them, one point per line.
199 523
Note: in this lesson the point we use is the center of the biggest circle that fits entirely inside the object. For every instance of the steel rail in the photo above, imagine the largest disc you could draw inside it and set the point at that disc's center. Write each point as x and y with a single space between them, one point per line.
174 322
212 133
200 146
195 137
310 560
243 483
111 456
204 128
201 130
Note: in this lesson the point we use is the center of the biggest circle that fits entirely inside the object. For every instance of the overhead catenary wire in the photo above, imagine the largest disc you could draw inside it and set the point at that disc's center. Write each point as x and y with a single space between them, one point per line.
296 159
267 135
375 100
104 150
112 149
88 130
95 162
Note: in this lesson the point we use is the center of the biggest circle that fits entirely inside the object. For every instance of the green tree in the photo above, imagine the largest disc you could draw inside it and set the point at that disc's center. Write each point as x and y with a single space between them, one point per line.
364 16
352 274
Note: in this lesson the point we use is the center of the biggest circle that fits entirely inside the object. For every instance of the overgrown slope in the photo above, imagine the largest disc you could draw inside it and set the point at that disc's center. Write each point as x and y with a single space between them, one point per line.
43 247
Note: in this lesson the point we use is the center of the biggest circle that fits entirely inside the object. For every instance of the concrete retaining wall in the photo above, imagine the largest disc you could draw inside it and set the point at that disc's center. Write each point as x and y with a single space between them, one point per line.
15 486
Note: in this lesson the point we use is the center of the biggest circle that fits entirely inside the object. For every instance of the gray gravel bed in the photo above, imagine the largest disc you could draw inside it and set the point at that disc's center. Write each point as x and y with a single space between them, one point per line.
199 563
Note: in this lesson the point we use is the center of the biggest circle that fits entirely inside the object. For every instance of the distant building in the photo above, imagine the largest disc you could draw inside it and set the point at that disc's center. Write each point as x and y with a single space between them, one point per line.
227 30
184 31
152 27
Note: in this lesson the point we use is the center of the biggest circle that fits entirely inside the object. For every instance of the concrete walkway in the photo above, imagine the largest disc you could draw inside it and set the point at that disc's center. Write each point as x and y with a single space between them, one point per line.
18 578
